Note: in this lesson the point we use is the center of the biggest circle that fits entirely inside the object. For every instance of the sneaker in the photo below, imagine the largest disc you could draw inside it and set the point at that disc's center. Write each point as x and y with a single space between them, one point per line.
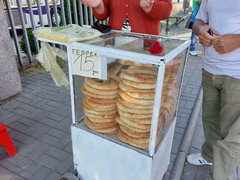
193 53
197 160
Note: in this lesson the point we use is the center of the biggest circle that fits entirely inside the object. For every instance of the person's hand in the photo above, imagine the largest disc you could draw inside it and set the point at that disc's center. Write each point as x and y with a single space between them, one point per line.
205 38
147 5
92 3
226 43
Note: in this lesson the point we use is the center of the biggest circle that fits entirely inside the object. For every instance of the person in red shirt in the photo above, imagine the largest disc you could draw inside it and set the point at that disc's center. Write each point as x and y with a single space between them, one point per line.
143 16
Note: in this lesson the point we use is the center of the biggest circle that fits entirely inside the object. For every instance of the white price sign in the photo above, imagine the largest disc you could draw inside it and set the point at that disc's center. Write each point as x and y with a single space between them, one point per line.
88 63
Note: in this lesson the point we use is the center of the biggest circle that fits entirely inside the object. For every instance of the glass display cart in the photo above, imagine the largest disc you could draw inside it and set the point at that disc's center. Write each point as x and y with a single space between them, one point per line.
124 102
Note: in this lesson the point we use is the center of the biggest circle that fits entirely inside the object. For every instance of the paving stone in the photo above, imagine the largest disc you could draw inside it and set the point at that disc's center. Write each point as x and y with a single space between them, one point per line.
189 105
28 108
49 122
10 120
68 148
56 133
30 148
26 121
54 116
182 103
3 155
20 161
19 127
42 174
182 123
38 152
48 161
11 167
63 167
190 174
22 138
54 176
57 153
179 130
8 175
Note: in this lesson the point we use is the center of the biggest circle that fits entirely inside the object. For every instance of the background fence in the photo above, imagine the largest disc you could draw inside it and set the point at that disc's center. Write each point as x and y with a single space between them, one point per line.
25 15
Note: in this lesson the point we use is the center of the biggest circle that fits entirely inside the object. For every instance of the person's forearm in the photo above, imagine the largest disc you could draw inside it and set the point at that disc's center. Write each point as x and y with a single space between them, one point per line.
238 40
197 26
99 9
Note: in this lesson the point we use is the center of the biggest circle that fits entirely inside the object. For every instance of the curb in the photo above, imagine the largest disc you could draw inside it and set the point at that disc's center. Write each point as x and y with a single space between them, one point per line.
187 139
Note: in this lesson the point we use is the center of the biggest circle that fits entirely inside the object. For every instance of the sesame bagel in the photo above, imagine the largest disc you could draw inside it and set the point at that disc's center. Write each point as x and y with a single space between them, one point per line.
102 84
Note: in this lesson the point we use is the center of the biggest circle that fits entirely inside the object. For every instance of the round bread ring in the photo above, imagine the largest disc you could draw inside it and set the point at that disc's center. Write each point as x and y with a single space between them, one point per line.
135 124
130 105
99 101
93 111
142 70
123 62
139 140
101 84
127 88
87 93
138 77
103 120
99 125
98 108
133 110
133 100
90 115
100 92
134 116
123 138
138 85
146 121
120 122
143 65
108 131
134 133
141 95
114 71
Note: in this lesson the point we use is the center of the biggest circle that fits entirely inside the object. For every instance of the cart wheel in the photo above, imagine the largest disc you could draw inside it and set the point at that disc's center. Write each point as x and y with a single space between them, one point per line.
53 17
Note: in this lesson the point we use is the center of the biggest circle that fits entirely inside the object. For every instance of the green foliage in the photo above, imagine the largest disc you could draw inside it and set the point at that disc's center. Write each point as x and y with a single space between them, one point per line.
59 60
2 102
31 42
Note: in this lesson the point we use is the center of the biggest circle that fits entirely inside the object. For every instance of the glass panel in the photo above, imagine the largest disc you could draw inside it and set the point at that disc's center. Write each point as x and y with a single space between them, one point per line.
120 107
135 42
170 93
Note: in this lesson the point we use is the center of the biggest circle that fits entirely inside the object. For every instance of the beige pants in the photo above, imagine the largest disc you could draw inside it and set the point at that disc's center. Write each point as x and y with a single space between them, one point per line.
221 124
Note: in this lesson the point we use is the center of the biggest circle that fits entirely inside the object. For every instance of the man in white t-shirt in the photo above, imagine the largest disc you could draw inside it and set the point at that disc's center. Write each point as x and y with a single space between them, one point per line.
218 29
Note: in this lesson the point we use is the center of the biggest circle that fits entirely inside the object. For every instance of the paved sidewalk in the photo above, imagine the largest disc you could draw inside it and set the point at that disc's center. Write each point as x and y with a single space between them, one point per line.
39 120
191 172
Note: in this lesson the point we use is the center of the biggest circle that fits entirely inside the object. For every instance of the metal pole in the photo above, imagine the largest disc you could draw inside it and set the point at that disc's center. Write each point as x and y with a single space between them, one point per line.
86 15
63 12
55 12
81 13
75 11
40 12
48 13
29 53
69 12
15 38
91 16
33 24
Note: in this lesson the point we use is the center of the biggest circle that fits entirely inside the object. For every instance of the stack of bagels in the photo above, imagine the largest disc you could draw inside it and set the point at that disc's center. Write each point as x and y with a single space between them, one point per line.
99 105
123 104
135 104
170 92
